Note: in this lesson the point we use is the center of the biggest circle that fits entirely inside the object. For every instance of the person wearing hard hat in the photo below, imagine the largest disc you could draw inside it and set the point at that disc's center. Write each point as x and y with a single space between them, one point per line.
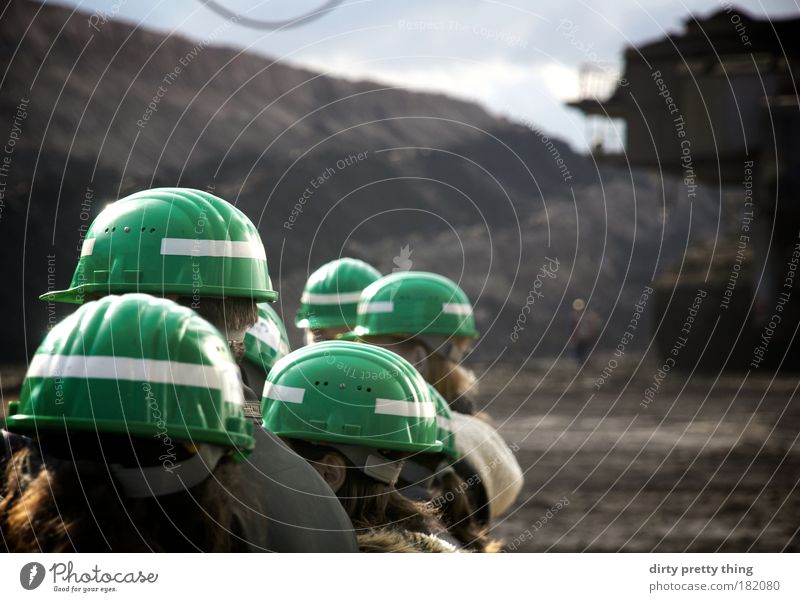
356 412
183 244
329 299
199 250
433 478
428 319
136 413
264 344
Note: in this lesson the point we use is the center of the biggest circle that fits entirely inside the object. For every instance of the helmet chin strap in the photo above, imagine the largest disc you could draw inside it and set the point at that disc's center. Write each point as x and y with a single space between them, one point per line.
371 462
155 481
420 479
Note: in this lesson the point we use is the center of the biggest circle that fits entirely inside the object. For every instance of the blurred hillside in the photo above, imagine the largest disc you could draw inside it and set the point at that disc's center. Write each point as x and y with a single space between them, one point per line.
479 198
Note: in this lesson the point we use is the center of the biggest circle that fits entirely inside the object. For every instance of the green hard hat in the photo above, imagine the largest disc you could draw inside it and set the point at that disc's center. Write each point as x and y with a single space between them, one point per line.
266 341
135 364
331 294
413 304
444 427
170 241
350 393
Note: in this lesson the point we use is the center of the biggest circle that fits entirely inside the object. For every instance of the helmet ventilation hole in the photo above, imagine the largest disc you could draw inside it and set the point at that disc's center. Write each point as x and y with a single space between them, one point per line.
316 384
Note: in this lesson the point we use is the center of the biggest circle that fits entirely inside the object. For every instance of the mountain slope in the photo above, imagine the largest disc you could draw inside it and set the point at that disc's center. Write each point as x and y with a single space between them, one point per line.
478 198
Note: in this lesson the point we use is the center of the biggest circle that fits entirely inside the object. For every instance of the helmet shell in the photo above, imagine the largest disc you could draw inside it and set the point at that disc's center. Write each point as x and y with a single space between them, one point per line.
351 393
444 426
171 241
266 341
135 364
331 294
414 303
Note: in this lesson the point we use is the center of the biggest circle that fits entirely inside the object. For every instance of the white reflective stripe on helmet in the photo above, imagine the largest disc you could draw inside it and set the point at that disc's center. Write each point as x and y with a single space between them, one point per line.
330 298
376 307
268 333
401 407
443 422
223 377
88 247
283 393
195 247
462 309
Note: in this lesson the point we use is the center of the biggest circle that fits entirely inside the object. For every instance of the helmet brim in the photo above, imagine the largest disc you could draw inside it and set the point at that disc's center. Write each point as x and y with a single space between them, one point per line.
350 335
32 424
312 322
363 331
77 294
431 448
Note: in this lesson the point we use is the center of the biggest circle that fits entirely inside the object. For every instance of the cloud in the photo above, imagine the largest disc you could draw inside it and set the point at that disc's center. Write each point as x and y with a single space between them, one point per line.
501 54
532 92
561 80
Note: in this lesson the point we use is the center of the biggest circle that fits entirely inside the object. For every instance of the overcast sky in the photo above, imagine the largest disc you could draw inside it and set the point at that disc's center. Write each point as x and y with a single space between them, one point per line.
519 59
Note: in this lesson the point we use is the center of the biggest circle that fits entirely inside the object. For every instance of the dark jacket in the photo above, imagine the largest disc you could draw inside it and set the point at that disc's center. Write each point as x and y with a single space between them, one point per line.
302 513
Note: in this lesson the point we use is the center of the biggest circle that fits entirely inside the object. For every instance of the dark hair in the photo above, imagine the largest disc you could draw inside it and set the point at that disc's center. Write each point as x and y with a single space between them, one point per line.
227 314
451 496
371 504
234 313
451 379
52 504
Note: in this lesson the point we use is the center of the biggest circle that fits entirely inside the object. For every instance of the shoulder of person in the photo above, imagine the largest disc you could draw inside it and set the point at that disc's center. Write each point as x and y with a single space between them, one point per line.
484 451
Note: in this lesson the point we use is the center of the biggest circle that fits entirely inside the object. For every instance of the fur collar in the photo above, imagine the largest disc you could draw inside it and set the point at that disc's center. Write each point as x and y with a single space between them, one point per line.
399 540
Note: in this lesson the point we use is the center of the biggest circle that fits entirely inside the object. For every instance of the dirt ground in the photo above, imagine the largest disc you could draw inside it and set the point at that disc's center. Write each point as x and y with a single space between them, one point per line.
711 464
